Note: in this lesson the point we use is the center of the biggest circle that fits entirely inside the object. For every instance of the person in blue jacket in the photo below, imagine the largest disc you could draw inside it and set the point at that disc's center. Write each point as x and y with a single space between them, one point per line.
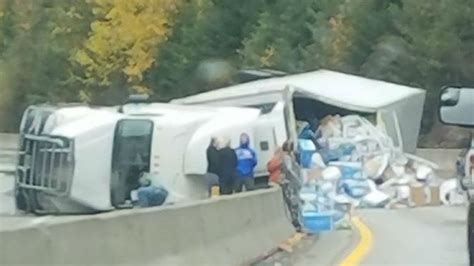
148 194
246 162
310 131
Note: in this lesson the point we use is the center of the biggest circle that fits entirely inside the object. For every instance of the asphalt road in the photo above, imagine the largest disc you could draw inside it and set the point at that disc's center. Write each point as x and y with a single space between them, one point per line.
419 236
409 237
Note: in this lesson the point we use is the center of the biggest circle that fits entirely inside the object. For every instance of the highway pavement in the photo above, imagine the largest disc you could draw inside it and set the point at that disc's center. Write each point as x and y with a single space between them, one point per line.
418 236
421 236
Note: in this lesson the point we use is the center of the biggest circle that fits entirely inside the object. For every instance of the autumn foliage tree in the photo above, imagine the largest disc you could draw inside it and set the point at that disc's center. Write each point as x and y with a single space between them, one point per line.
37 38
98 50
123 41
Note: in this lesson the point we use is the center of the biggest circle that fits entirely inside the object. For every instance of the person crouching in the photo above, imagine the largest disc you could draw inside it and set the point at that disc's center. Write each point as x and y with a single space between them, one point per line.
149 195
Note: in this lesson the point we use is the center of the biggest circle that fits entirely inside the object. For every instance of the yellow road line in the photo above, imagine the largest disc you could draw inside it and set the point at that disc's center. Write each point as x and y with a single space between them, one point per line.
364 245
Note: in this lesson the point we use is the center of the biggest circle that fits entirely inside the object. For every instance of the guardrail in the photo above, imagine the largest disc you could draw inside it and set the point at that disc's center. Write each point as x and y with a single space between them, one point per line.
230 230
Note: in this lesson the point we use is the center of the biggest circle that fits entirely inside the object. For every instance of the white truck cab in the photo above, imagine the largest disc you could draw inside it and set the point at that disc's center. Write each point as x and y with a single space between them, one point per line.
79 159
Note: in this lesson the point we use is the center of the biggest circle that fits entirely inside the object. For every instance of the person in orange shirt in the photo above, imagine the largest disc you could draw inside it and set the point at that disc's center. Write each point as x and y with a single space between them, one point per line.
282 171
274 166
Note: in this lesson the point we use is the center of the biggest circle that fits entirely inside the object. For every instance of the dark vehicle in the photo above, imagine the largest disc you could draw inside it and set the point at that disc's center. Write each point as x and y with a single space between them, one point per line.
457 108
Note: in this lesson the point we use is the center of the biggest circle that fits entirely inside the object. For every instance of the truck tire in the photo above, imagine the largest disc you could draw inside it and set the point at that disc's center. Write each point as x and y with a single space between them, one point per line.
21 202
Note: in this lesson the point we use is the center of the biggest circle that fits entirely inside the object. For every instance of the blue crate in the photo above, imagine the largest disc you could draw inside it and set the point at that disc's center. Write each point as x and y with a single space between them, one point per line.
316 222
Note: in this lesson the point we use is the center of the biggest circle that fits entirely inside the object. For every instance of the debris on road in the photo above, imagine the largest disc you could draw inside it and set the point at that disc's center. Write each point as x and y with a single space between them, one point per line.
450 193
356 164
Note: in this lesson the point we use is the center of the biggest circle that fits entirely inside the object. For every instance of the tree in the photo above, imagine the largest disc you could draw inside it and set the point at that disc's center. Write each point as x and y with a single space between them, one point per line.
6 15
123 40
345 33
280 36
178 56
392 59
440 36
205 31
34 63
97 50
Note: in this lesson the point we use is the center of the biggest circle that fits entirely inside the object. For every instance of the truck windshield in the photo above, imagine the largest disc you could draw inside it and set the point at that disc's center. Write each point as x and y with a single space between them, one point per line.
131 155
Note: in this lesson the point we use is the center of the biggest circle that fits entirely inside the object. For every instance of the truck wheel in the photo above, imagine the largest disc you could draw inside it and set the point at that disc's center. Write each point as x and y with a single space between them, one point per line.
21 200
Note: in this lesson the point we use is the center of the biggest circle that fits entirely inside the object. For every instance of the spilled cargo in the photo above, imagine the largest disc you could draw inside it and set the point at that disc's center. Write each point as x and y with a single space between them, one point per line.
356 164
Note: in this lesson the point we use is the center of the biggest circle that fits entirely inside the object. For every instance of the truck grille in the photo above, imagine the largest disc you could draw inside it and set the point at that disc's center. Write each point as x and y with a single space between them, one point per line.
45 164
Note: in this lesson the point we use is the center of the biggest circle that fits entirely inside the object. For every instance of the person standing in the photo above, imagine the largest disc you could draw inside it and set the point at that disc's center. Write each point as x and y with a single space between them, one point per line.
246 162
274 166
212 174
290 183
227 166
311 132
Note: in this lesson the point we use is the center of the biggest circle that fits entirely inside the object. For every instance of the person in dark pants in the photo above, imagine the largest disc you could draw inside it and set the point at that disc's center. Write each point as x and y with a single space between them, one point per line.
246 162
212 176
227 166
290 184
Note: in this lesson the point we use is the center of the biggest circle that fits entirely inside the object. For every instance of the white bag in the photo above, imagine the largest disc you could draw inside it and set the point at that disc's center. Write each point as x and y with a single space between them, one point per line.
331 173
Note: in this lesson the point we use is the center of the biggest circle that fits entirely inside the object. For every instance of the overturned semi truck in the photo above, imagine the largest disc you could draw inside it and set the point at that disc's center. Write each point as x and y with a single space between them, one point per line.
81 159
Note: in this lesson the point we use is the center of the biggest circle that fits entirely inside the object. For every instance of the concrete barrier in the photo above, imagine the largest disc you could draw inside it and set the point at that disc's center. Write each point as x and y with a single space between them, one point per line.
231 230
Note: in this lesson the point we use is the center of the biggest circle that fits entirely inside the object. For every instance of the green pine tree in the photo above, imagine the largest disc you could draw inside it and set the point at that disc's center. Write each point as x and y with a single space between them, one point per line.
204 30
35 60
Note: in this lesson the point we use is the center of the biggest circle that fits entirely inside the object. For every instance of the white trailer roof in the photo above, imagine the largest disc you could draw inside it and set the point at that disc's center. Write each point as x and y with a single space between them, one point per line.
343 90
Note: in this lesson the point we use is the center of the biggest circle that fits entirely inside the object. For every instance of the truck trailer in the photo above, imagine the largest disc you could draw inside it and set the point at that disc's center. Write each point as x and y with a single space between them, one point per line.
285 101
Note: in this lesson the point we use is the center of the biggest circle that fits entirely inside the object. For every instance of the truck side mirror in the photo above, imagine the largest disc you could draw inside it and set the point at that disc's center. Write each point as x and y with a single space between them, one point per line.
457 106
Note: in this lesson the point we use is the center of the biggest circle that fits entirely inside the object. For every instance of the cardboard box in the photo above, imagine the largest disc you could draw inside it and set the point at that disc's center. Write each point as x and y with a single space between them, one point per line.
434 196
417 195
424 195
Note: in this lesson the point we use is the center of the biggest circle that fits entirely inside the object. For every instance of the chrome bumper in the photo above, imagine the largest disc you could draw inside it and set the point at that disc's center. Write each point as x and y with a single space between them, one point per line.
45 164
